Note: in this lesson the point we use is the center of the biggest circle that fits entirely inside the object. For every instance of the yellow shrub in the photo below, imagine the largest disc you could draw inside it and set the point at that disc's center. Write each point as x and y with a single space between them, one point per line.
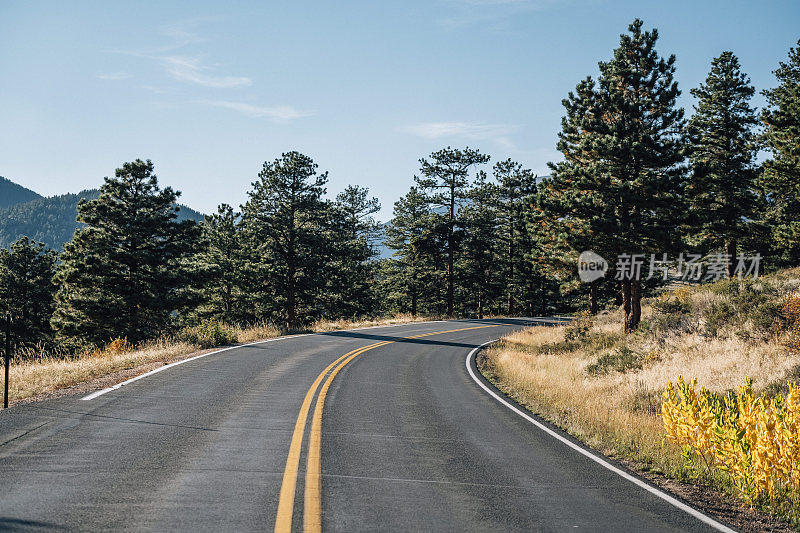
756 440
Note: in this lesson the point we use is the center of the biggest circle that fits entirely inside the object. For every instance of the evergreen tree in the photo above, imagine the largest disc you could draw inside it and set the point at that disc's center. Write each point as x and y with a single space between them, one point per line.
127 270
285 220
721 190
620 186
222 263
477 270
515 187
351 270
573 214
27 290
412 234
445 181
780 180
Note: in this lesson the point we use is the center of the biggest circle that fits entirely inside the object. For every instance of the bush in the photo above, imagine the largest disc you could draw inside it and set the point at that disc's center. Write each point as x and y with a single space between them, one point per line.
208 334
716 317
754 440
620 359
790 314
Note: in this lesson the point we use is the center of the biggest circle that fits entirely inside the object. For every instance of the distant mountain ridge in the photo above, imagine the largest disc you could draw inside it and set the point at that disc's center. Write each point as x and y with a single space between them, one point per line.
12 193
51 220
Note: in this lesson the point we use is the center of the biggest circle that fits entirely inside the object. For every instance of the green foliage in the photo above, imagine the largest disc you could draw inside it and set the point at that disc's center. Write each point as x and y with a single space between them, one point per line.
350 283
444 182
780 180
410 276
620 359
621 179
53 220
126 271
13 194
285 224
27 290
221 266
720 189
208 334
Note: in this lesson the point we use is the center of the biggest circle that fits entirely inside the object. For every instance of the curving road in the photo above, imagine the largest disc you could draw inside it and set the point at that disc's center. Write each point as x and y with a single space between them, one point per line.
374 429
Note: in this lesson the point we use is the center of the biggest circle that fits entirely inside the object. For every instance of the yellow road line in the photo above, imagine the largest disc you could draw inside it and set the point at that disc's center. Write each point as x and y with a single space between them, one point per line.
312 510
283 520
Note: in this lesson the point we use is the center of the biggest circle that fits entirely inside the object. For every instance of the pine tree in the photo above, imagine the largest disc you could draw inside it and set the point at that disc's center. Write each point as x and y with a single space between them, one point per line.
412 234
781 176
27 290
515 187
721 190
351 269
445 181
222 264
620 187
127 270
285 220
480 284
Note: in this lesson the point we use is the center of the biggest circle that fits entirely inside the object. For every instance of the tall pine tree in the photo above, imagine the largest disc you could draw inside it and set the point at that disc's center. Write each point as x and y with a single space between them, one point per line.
780 180
515 187
27 290
351 268
721 190
285 220
445 181
126 271
480 284
411 272
222 265
621 184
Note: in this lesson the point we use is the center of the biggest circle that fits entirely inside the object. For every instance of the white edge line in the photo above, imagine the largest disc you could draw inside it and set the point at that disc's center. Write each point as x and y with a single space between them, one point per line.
602 462
100 392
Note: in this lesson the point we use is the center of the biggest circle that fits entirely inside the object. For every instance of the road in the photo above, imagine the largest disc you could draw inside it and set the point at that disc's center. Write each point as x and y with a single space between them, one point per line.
396 436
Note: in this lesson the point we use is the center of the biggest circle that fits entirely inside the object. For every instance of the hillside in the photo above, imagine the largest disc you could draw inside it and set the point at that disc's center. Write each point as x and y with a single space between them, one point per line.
52 220
12 193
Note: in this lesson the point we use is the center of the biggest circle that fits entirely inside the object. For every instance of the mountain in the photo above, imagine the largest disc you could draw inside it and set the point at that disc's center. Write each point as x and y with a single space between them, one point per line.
51 220
12 193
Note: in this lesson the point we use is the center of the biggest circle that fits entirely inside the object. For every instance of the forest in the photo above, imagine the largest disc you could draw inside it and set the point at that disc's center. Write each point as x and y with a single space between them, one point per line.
472 237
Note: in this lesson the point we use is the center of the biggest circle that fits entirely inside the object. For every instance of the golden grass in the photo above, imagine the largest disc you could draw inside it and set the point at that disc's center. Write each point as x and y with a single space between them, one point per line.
35 372
619 412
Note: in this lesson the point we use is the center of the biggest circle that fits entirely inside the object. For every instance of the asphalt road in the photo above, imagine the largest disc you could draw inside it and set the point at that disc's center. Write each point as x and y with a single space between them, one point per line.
399 437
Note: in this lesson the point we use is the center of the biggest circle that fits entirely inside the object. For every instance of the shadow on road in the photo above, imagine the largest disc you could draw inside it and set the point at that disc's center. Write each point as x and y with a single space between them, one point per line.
18 524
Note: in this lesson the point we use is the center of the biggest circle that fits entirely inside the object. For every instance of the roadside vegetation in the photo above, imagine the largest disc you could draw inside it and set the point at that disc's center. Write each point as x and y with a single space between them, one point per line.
38 371
737 339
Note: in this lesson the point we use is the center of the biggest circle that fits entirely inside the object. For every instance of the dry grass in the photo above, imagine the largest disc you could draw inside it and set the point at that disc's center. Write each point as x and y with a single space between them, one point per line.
606 389
35 372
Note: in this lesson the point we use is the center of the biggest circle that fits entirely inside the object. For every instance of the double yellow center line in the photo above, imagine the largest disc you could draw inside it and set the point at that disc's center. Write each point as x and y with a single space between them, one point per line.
312 510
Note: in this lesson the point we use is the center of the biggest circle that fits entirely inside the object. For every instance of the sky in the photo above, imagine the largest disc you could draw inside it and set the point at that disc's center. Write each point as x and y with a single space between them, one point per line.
210 90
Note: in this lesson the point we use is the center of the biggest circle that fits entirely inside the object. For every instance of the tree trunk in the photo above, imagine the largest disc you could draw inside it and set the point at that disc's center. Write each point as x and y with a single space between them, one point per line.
510 280
450 251
414 303
618 296
730 251
632 304
636 303
625 287
480 305
593 298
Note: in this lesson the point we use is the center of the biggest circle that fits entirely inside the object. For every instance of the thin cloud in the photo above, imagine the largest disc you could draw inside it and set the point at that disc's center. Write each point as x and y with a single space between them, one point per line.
114 76
191 70
467 130
281 113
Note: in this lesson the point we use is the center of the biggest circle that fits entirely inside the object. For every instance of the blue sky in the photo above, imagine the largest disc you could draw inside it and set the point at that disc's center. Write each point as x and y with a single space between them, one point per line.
210 90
